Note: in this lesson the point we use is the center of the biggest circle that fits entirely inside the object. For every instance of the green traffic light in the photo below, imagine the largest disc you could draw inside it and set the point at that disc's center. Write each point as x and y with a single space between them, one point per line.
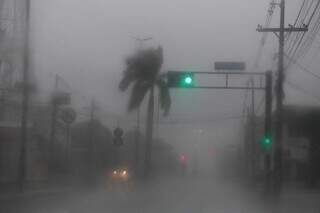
267 141
266 144
188 80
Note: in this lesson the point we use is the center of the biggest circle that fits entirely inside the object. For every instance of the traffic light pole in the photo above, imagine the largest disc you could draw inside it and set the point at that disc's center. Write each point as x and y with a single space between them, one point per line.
25 101
268 125
174 81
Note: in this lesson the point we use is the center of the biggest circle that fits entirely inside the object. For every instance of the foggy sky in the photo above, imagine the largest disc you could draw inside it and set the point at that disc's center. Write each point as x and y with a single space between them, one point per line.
86 42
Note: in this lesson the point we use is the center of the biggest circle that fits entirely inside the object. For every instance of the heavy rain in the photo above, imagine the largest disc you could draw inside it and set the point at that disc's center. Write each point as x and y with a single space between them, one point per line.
158 106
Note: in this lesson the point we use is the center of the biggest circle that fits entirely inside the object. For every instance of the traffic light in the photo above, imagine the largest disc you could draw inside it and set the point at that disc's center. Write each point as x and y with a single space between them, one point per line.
180 79
266 143
183 158
188 80
117 136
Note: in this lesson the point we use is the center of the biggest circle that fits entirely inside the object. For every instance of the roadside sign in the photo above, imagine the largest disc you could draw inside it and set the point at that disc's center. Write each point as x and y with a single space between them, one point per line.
229 65
68 115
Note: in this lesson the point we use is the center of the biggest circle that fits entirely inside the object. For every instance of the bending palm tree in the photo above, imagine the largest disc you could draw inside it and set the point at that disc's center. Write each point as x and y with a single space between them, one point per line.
143 71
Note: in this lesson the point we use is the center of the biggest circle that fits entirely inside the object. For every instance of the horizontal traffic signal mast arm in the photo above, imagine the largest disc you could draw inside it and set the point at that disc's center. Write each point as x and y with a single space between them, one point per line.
220 73
186 80
227 87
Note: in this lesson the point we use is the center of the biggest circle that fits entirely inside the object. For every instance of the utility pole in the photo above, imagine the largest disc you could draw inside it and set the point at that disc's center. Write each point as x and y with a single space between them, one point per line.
253 131
91 141
53 123
2 103
268 125
280 92
25 100
249 153
279 102
158 116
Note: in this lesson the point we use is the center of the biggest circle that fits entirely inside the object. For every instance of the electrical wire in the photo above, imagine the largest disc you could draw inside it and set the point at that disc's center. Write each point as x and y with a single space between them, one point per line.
303 45
303 68
264 35
213 120
301 89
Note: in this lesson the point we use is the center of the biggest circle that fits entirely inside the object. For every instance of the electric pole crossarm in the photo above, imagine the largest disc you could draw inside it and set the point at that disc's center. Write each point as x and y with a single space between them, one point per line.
289 29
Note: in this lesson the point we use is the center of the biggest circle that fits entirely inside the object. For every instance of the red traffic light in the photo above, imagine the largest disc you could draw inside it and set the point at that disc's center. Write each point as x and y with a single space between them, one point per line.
183 158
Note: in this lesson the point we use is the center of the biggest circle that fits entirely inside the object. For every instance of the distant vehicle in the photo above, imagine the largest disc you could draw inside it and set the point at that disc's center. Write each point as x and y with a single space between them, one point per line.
119 175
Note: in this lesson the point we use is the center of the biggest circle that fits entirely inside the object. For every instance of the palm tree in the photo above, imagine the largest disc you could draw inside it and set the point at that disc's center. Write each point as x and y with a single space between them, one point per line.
143 72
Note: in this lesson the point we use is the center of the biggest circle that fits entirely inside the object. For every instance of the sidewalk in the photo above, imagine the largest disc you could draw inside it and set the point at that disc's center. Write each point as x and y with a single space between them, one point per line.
297 198
12 191
294 198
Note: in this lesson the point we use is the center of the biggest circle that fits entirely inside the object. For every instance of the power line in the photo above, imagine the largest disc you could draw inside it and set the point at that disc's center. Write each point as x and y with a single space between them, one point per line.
310 39
264 35
288 41
302 13
303 68
214 120
304 45
301 89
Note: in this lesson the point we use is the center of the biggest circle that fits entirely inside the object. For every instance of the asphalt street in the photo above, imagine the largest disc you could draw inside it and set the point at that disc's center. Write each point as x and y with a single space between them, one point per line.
169 195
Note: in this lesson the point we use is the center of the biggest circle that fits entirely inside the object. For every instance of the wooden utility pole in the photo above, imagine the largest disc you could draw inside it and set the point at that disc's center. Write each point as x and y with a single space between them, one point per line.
279 92
253 130
25 100
279 102
91 145
53 124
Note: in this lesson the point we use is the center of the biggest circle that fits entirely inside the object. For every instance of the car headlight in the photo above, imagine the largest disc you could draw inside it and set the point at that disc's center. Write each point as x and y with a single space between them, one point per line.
124 174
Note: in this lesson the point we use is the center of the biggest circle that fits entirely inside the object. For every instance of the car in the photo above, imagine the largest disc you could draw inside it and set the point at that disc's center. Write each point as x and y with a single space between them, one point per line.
120 175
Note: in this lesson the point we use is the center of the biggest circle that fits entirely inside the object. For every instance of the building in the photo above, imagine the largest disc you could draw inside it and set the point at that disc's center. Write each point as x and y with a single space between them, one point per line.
301 148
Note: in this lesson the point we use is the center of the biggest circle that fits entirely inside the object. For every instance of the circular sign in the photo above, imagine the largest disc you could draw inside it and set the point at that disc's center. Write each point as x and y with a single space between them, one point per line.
118 141
118 132
68 115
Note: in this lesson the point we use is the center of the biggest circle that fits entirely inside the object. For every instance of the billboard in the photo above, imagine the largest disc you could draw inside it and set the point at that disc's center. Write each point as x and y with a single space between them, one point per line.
229 65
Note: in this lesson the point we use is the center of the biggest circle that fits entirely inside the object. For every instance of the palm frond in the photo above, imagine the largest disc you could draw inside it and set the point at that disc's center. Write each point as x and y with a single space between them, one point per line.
139 90
142 70
146 64
126 80
164 93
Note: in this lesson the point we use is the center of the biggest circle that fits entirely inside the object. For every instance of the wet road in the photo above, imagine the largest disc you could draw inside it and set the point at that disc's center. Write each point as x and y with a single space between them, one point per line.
201 195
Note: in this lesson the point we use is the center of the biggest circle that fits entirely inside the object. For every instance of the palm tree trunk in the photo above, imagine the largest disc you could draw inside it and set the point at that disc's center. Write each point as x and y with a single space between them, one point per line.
149 131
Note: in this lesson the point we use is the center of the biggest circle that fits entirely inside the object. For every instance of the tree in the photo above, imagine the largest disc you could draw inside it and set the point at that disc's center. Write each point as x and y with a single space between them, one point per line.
143 72
96 146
